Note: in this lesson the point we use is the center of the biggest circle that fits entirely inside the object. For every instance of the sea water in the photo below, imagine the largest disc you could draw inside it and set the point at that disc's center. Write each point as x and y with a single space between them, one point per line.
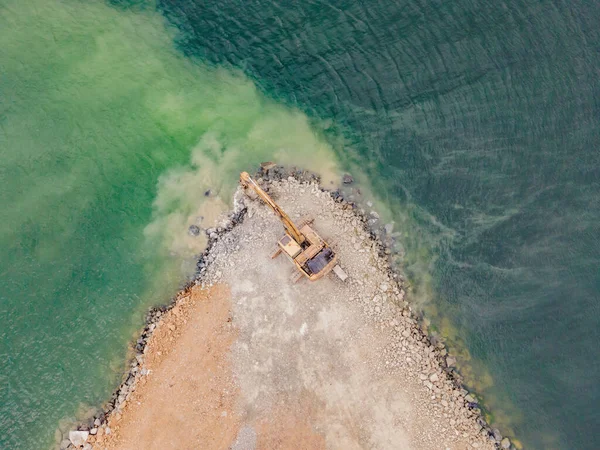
473 125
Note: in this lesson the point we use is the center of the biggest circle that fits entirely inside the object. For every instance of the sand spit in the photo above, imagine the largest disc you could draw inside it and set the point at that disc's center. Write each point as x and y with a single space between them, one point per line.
246 359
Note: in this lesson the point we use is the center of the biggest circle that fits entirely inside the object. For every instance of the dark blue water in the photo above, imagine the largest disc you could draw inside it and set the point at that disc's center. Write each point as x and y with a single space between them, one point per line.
479 120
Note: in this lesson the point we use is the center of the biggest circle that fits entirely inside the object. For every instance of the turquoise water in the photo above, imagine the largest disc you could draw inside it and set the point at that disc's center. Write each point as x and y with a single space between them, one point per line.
474 124
109 138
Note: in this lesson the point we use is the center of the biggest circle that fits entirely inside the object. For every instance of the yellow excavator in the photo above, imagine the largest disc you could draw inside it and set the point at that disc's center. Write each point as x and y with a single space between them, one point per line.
311 255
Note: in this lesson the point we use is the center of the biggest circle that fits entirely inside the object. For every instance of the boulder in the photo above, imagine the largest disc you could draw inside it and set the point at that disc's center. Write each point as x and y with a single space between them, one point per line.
497 435
347 179
340 273
193 230
505 443
78 438
268 165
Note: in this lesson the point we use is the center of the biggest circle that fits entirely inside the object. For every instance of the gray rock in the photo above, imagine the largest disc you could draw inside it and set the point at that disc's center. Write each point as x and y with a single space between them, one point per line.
268 165
64 445
94 431
389 228
97 422
505 443
193 230
78 438
450 361
433 377
347 179
497 434
87 446
470 398
340 273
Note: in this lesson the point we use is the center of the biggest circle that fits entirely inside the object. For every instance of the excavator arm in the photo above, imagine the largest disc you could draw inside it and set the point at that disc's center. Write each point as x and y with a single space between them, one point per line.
289 226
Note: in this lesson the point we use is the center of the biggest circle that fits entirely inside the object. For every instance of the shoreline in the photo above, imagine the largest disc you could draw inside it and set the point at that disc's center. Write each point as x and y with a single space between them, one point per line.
98 424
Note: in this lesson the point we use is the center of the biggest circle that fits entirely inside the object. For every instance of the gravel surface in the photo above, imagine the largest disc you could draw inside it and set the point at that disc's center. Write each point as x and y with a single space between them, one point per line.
351 347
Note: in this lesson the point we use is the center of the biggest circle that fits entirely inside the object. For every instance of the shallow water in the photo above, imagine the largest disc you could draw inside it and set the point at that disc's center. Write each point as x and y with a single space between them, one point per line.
473 123
110 138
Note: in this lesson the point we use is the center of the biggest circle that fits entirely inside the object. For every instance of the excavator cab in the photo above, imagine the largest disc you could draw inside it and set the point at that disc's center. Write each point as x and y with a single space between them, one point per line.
311 255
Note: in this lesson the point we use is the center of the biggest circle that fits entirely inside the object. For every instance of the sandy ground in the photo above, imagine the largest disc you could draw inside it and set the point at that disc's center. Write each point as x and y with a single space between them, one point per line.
249 360
187 399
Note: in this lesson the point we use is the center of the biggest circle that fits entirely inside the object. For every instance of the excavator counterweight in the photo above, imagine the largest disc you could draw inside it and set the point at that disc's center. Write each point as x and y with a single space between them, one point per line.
311 255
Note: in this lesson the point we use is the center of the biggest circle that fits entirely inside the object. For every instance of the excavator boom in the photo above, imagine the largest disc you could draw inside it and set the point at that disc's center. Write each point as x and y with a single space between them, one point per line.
289 226
311 255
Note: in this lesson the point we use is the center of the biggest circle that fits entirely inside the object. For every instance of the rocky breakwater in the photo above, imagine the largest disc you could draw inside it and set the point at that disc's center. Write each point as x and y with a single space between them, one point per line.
94 431
440 412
